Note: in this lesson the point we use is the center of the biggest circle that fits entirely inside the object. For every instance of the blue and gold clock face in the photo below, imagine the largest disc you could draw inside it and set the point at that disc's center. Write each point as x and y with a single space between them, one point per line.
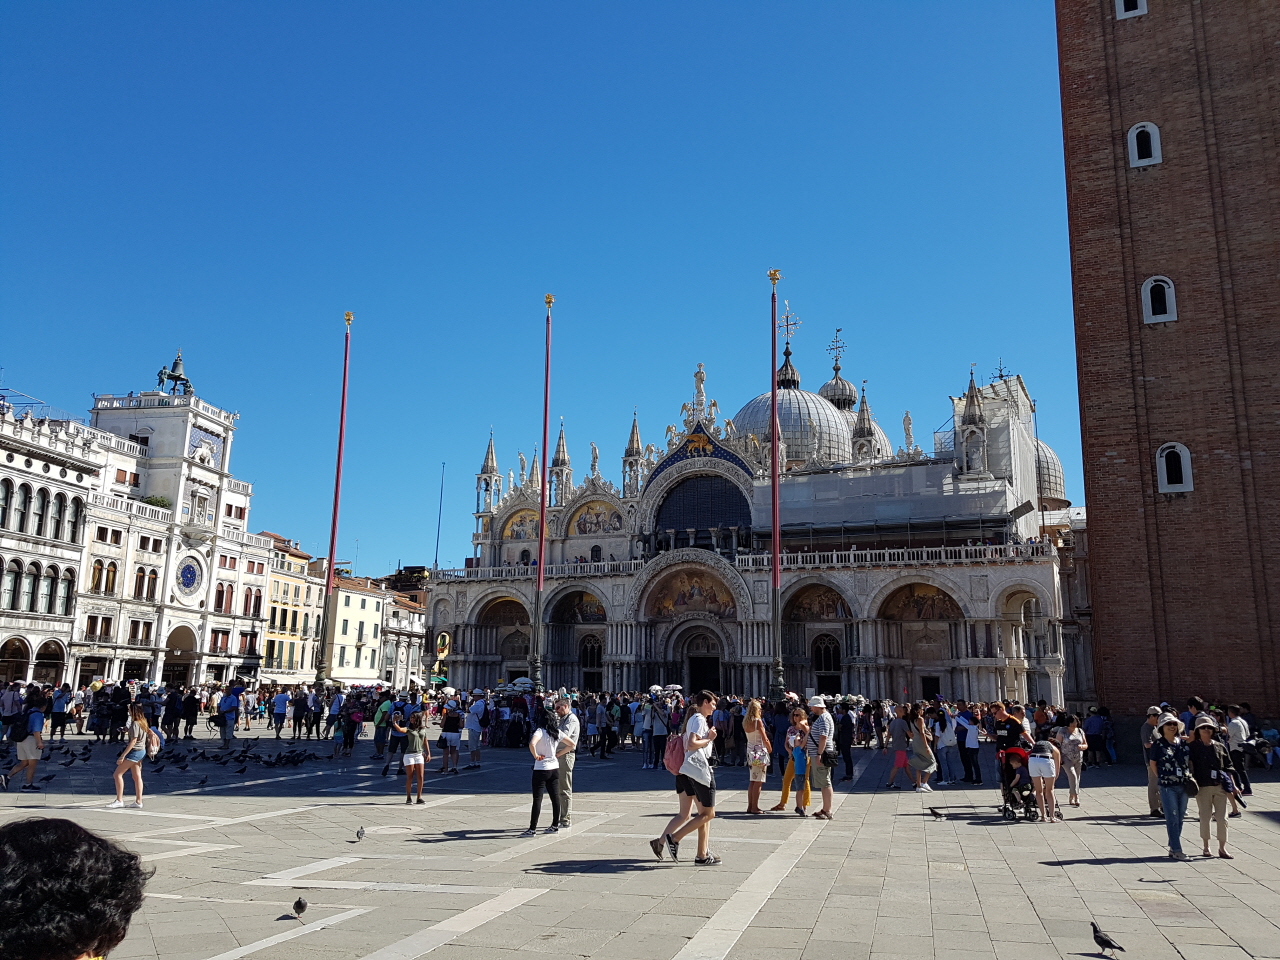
189 576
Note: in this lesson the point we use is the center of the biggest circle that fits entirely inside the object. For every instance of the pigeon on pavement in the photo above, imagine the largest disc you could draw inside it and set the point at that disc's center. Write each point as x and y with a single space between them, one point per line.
937 814
299 907
1103 941
360 834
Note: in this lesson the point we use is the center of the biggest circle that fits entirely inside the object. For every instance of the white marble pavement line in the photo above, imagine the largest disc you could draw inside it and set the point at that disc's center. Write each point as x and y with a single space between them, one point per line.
185 849
438 934
289 935
543 840
722 931
212 825
297 877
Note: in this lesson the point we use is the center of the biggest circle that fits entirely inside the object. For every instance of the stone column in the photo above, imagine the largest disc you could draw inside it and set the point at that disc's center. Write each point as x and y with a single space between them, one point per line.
157 666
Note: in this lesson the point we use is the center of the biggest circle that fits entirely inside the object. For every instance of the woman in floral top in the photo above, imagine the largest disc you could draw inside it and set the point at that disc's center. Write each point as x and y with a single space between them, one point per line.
1170 761
1071 742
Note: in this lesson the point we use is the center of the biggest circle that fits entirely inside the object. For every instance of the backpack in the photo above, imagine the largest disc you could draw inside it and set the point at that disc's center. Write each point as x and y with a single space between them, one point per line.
19 730
673 756
155 742
484 717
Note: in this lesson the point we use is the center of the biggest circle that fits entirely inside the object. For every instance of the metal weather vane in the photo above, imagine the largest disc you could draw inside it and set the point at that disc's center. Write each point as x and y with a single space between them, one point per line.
788 322
837 346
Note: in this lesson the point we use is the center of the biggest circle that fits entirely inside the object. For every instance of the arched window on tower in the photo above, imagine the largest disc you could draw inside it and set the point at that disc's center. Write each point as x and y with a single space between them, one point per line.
1144 145
6 498
22 508
140 584
1159 301
74 512
95 582
1173 469
67 593
39 510
217 598
29 582
57 511
153 578
110 586
9 592
48 591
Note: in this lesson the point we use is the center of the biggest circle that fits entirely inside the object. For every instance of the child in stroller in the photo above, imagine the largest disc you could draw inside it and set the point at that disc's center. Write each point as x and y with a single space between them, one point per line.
1016 795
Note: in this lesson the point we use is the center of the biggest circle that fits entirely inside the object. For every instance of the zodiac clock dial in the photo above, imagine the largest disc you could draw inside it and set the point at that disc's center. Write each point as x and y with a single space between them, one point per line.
189 576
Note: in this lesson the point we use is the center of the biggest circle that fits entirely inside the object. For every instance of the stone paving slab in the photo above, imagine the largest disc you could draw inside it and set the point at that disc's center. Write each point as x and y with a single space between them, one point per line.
884 879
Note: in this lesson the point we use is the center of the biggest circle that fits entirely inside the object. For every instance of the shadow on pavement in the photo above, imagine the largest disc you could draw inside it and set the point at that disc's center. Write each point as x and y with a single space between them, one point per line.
592 866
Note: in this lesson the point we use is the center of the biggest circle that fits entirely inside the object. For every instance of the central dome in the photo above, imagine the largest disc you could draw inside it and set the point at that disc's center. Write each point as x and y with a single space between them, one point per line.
803 416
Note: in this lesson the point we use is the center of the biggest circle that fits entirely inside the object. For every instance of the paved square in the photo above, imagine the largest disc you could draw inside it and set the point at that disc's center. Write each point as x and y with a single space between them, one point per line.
454 878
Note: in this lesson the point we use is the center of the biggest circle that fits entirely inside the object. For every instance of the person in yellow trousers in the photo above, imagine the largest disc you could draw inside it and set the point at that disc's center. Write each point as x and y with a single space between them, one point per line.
797 735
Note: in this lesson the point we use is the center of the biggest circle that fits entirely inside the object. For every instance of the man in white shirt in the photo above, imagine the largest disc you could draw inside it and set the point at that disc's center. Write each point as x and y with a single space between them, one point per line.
566 753
695 784
335 711
1237 734
474 730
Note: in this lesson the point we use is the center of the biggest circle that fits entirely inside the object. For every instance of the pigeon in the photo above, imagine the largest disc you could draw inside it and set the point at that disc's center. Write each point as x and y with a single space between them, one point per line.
360 834
67 763
937 814
242 769
1103 941
203 780
46 779
159 769
299 907
184 767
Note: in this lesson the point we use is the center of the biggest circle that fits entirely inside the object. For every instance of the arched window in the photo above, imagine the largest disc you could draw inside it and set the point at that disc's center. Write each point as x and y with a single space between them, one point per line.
40 509
140 584
9 588
1159 301
217 599
153 579
6 498
22 508
74 512
66 594
248 601
1130 8
95 582
57 510
592 657
257 603
110 587
525 557
1144 145
1173 469
306 622
826 654
29 581
48 590
596 554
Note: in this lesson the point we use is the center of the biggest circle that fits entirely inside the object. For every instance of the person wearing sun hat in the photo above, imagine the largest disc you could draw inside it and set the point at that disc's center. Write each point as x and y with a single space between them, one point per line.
1170 760
1146 735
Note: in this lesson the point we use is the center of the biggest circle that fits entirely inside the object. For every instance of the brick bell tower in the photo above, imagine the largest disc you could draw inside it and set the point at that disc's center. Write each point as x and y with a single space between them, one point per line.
1170 114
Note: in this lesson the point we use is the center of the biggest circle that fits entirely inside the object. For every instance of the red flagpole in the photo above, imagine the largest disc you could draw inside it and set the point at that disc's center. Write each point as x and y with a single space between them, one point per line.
778 686
331 577
535 665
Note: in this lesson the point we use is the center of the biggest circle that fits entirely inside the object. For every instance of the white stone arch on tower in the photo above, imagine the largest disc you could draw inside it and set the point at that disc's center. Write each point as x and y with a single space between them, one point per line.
657 488
793 587
561 590
693 557
946 584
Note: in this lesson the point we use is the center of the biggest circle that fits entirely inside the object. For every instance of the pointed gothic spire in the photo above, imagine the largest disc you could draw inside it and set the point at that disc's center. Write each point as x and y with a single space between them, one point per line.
561 458
535 473
490 467
788 375
973 404
864 427
633 442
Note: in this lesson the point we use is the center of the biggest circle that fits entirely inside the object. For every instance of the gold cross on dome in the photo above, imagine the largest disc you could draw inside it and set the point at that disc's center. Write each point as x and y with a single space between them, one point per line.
788 322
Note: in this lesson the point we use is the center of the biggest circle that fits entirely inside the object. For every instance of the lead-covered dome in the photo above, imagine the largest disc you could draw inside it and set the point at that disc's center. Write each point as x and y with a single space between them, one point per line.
1050 482
802 416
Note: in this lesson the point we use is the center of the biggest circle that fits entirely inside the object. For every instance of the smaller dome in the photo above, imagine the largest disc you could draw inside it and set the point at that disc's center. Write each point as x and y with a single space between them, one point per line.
839 391
1051 484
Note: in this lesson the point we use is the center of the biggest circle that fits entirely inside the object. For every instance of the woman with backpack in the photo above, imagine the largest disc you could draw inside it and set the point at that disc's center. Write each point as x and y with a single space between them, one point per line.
135 751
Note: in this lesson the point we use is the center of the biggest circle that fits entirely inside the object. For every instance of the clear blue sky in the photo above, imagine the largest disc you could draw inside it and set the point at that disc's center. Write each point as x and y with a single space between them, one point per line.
231 177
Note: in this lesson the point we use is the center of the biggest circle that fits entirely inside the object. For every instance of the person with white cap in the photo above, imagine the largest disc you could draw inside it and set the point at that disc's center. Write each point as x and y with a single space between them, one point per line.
477 720
819 747
1147 734
1169 759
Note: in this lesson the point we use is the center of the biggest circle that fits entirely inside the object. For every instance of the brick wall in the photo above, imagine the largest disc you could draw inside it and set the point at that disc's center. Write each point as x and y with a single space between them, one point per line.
1185 587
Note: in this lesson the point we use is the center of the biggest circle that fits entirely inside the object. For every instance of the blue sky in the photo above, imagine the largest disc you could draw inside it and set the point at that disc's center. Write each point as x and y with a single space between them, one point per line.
231 177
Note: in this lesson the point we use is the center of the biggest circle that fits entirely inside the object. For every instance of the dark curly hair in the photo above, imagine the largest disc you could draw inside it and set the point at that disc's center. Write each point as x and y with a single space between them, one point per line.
64 891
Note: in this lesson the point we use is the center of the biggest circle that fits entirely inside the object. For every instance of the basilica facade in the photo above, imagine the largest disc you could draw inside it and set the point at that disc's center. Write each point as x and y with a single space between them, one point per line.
905 573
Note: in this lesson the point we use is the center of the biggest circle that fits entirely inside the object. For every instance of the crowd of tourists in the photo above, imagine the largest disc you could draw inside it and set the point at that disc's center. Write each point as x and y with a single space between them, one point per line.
1205 752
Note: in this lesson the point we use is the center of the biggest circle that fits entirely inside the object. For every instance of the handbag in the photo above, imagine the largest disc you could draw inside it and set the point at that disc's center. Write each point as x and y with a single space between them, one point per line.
758 755
830 759
1190 786
442 743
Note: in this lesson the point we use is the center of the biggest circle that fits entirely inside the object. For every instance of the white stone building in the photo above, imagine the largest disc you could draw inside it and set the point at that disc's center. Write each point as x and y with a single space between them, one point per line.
905 574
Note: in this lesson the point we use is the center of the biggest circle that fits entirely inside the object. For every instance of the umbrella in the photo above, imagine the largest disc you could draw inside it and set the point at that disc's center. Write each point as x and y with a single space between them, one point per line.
448 691
236 691
522 682
655 689
673 687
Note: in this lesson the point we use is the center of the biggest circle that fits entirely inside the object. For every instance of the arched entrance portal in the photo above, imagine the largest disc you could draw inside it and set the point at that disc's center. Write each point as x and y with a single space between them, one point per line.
180 659
702 650
49 663
14 659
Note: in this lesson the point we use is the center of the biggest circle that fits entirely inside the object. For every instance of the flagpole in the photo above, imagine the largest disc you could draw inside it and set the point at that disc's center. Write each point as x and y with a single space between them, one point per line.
535 648
435 564
331 577
778 687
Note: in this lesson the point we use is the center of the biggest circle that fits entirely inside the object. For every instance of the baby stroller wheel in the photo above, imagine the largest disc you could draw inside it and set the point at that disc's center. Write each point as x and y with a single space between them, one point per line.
1033 816
1009 813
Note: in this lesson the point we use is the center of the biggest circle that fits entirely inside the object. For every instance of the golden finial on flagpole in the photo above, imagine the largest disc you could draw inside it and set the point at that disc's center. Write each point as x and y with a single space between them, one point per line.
350 316
775 276
550 300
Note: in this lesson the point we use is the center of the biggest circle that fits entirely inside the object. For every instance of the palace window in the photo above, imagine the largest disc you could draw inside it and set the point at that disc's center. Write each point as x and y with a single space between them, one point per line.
38 512
1173 469
6 497
1144 145
1159 301
57 511
1130 8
